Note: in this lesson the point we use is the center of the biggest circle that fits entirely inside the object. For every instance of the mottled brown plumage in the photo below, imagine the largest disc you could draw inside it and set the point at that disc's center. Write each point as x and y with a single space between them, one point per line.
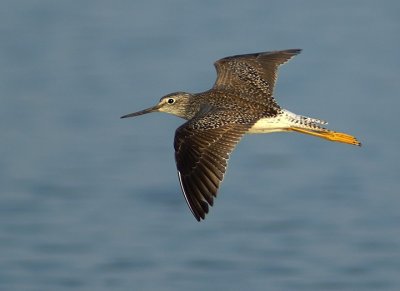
241 101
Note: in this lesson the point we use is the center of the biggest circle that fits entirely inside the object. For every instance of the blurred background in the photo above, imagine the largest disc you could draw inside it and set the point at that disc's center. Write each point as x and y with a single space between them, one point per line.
92 202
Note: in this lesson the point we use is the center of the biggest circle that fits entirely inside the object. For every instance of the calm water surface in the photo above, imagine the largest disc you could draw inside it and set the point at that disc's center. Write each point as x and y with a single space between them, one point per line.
92 202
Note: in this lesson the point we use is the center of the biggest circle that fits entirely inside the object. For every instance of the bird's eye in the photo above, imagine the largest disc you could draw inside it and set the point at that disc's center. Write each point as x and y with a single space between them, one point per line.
171 100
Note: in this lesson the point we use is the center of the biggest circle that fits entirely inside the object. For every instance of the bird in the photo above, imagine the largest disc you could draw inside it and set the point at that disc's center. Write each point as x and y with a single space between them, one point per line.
240 102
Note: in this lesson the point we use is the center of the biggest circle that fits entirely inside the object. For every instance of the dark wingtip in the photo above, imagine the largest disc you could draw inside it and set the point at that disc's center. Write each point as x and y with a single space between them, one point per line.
201 215
294 51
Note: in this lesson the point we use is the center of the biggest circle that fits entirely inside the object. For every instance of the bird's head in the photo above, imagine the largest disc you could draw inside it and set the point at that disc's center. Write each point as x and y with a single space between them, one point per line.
175 103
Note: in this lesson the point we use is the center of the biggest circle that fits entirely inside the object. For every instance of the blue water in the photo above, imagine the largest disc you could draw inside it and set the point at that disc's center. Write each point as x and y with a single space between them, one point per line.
92 202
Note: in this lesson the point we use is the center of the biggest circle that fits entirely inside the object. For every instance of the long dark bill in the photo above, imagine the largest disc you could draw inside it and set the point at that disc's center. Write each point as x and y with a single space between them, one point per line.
145 111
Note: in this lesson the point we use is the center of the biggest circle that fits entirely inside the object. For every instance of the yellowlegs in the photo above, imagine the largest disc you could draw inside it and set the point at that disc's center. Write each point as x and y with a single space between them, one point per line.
241 101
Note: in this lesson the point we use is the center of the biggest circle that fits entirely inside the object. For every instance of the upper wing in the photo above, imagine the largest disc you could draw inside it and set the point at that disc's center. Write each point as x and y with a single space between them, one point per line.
252 74
202 149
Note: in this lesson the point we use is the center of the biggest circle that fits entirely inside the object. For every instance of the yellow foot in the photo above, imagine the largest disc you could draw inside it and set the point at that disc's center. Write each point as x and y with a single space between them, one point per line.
329 135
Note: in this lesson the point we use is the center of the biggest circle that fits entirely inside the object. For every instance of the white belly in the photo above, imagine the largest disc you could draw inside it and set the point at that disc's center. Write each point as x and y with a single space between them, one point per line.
283 122
270 124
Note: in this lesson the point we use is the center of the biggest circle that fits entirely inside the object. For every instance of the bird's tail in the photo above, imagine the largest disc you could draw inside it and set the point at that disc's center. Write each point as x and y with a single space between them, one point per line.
315 127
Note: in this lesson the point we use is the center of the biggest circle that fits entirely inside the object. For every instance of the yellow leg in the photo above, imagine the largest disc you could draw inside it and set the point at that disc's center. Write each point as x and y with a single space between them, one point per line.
329 135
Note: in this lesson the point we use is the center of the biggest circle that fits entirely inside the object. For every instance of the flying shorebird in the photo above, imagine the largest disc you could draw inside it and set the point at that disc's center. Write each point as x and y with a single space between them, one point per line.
241 101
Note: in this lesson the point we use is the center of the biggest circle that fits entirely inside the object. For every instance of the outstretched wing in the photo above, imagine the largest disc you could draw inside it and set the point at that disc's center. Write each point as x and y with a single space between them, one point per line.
252 75
202 149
